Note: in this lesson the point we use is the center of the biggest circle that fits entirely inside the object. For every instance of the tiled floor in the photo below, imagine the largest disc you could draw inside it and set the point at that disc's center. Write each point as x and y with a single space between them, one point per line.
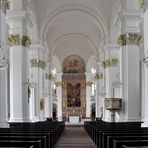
75 137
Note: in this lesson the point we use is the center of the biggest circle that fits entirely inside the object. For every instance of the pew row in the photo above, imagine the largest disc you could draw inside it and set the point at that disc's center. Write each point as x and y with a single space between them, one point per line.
46 134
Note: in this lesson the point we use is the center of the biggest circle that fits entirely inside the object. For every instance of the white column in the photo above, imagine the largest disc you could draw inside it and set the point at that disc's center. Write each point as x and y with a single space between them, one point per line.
34 75
100 94
88 94
3 66
41 84
48 99
145 71
129 41
59 95
19 74
48 88
112 76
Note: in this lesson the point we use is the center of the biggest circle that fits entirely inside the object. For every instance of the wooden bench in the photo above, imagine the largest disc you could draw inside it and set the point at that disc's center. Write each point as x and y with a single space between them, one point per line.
29 134
17 147
48 132
124 146
124 138
16 143
106 143
120 143
26 138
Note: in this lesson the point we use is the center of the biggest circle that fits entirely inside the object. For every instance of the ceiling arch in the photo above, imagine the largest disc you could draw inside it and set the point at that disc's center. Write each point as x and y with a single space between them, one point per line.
67 36
101 24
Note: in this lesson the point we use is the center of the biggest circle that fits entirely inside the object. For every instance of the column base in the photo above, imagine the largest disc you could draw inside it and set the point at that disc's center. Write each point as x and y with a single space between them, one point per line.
21 120
144 124
4 124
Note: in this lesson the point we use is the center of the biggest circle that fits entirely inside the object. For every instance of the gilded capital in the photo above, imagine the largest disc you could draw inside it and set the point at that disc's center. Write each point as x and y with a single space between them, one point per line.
4 5
17 39
112 62
99 76
58 84
89 83
48 76
41 64
34 62
143 4
37 63
129 38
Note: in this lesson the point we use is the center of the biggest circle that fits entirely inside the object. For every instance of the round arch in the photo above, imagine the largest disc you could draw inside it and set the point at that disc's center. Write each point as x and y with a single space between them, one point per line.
101 24
83 37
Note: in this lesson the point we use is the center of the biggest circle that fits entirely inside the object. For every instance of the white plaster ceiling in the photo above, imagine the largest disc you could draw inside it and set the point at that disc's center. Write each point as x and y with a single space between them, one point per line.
75 27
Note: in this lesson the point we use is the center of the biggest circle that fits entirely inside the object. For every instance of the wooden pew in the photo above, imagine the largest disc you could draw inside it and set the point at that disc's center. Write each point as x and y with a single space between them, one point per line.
26 138
51 131
106 143
96 130
124 146
124 138
18 147
120 143
15 143
31 134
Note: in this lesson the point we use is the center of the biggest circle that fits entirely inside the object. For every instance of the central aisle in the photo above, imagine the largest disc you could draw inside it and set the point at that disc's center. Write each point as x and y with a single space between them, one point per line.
75 137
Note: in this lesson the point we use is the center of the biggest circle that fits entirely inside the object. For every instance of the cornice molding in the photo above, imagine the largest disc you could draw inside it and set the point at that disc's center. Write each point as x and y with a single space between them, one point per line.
129 38
4 5
17 39
132 13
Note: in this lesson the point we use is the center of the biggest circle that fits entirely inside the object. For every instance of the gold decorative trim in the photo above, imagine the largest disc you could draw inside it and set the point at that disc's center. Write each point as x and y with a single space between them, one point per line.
83 84
99 76
38 63
89 83
64 84
141 2
4 5
41 64
48 76
16 39
110 63
58 84
129 38
34 62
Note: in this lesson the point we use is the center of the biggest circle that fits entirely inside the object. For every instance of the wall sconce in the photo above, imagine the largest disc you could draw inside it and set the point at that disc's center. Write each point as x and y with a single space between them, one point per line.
30 84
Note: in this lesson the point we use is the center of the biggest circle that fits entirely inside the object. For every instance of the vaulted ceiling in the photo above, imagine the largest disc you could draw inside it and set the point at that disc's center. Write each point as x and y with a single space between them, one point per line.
74 27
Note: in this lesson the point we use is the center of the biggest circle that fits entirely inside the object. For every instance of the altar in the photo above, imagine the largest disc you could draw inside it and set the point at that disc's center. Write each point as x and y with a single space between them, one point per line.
74 119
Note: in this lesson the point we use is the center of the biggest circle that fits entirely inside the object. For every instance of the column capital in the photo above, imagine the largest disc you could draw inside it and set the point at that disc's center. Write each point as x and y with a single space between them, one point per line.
129 38
17 40
143 4
4 5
